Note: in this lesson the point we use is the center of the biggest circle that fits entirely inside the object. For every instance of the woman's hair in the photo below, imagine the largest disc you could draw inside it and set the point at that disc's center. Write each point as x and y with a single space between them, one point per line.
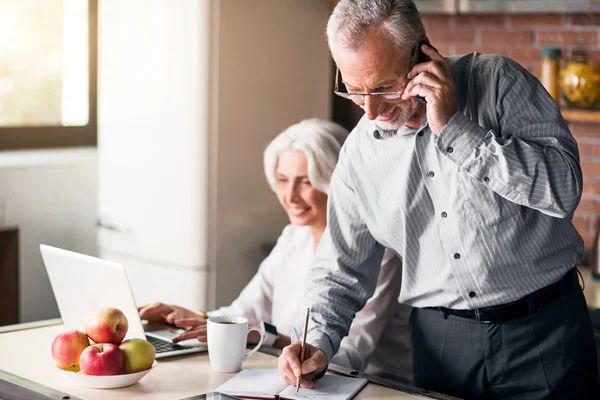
318 139
352 19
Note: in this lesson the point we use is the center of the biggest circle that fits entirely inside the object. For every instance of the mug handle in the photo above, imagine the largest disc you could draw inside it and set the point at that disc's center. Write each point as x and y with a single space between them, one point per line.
262 336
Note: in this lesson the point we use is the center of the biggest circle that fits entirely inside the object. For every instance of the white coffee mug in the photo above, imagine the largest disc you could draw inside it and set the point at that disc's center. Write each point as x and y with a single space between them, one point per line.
227 339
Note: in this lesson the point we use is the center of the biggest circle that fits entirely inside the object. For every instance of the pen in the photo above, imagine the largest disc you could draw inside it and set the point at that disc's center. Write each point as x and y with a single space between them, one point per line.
303 348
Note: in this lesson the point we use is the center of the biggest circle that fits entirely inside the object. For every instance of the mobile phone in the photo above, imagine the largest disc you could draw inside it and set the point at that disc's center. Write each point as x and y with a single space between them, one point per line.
421 58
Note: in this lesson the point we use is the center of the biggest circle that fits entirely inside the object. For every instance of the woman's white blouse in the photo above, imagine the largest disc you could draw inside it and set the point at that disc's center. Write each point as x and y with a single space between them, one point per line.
378 341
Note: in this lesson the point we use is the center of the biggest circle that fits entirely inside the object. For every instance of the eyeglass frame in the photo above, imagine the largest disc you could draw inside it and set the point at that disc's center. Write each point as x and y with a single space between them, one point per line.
395 95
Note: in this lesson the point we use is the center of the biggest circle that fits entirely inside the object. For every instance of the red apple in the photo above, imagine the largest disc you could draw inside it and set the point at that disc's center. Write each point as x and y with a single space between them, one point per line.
102 359
67 348
107 326
139 355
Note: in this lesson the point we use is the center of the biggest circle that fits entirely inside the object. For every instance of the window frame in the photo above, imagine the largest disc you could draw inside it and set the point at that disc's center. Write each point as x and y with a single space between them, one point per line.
46 137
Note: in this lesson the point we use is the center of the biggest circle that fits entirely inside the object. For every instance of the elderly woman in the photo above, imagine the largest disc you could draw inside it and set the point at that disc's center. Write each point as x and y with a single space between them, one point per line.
298 165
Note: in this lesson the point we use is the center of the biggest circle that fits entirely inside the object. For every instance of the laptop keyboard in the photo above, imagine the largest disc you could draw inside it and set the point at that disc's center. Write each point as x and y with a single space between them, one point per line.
162 346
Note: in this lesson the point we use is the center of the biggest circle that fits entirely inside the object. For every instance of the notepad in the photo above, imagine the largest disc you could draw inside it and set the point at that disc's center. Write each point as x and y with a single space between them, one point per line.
268 384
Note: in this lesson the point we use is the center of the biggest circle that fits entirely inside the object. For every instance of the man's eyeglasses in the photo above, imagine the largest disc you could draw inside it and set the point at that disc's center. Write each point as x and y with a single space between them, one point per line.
362 96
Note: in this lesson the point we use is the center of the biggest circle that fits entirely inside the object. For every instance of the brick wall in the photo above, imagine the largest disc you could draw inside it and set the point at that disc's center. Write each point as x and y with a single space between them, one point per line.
521 38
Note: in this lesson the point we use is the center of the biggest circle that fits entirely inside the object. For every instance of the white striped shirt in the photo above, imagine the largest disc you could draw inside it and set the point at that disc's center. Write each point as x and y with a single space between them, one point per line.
480 215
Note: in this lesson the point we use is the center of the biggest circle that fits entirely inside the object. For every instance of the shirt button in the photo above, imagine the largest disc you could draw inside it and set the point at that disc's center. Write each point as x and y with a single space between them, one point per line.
486 179
456 256
431 174
444 214
420 133
472 294
450 149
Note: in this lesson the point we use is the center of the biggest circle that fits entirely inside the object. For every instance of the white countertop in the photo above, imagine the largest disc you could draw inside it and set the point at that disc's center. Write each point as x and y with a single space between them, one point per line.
26 353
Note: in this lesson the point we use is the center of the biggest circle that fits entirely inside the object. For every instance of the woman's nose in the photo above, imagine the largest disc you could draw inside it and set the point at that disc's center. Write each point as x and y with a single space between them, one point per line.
291 191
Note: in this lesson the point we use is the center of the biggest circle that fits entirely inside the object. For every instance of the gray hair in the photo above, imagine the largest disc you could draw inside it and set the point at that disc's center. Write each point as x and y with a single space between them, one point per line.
318 139
352 19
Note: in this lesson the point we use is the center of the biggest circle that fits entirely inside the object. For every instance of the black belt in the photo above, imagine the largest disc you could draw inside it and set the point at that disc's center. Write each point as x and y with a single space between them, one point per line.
525 306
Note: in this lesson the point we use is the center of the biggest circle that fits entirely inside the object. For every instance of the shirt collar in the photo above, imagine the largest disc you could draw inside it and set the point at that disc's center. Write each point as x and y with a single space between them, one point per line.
402 131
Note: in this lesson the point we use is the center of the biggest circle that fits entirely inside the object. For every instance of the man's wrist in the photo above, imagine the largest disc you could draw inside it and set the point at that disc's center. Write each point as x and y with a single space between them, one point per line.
459 138
324 370
321 374
323 343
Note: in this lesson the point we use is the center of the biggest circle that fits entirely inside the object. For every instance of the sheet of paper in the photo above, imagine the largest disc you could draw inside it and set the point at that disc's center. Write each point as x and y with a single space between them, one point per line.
268 383
262 382
331 387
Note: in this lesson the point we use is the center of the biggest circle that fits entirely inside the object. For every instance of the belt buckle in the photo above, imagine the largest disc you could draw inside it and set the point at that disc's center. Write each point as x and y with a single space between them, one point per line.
477 314
478 317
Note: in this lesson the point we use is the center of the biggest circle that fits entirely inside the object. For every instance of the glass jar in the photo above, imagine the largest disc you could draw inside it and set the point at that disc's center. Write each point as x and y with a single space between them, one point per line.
550 71
580 82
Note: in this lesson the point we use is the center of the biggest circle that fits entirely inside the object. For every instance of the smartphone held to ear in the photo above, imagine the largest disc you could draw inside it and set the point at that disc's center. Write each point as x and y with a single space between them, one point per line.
421 57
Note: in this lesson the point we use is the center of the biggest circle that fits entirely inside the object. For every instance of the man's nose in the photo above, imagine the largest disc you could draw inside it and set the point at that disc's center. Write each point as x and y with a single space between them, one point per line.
372 107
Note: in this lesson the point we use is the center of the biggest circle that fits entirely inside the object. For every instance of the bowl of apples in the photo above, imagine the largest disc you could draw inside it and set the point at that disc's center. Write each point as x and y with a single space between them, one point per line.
100 358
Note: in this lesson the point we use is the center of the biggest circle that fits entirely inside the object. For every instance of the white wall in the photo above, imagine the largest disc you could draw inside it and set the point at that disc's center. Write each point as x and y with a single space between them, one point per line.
273 70
270 69
51 196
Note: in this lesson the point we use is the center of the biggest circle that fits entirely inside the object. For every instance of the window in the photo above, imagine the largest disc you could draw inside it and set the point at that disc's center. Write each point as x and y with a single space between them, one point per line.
47 73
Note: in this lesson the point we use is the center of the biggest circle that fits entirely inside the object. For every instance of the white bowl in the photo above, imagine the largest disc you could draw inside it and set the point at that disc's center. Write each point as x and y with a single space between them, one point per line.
105 382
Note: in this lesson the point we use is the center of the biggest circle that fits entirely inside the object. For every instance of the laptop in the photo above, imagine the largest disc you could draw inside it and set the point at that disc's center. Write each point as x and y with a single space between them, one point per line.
83 284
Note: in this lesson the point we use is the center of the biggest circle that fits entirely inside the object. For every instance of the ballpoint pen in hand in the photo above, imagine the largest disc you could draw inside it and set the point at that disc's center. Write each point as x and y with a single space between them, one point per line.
303 348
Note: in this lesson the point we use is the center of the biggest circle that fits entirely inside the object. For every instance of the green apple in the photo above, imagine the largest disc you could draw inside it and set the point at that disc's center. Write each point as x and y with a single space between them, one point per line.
139 355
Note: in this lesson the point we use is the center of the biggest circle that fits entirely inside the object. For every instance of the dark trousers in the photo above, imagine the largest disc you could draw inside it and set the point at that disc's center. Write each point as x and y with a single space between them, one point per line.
550 354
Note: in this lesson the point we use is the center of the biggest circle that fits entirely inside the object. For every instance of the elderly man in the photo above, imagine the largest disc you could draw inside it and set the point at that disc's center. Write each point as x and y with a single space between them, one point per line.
473 183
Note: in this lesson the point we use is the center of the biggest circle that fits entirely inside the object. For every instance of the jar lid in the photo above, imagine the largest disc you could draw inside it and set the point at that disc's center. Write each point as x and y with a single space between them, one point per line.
579 56
551 52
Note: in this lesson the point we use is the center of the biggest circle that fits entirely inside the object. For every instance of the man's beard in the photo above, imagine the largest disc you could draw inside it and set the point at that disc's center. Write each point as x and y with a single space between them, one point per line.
403 116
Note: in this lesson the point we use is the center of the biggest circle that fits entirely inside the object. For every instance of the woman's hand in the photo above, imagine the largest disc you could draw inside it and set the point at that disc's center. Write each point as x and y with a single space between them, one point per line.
195 327
165 313
433 80
289 366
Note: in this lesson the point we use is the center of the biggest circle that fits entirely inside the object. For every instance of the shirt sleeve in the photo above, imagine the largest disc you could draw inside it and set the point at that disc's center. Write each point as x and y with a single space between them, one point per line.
345 267
369 324
531 158
255 301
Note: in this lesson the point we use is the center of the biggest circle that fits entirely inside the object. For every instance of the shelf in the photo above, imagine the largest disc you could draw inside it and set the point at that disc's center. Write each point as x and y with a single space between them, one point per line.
573 115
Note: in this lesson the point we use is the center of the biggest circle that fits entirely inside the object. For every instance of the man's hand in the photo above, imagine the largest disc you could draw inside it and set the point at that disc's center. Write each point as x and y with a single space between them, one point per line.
434 81
289 366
